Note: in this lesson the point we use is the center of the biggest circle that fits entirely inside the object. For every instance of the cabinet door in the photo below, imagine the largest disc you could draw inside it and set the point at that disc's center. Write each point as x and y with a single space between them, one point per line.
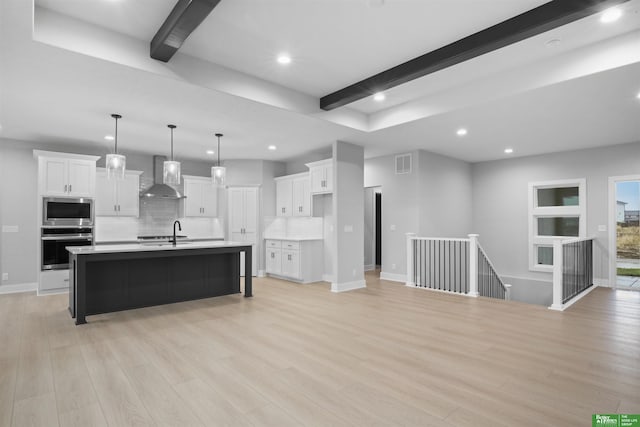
236 212
273 262
284 197
328 178
251 213
193 199
301 197
105 199
53 177
81 178
291 263
128 195
209 200
317 179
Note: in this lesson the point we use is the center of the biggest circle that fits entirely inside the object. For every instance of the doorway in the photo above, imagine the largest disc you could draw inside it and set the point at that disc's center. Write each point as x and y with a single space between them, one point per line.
624 208
372 229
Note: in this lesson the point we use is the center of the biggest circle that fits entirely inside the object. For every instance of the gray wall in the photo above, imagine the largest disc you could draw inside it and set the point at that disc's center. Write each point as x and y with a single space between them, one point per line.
445 196
400 208
298 164
500 205
348 211
434 200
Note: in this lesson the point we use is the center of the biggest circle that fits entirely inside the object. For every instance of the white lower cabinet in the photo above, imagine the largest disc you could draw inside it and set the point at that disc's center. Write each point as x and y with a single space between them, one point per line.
300 261
54 280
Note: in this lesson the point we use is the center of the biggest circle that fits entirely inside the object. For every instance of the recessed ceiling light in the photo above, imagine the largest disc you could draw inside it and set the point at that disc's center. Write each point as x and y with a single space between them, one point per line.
461 132
210 152
108 138
272 147
637 96
284 59
611 15
508 150
379 96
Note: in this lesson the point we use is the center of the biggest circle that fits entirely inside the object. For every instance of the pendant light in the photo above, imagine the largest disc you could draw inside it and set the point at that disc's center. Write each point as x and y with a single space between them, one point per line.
115 163
218 173
171 170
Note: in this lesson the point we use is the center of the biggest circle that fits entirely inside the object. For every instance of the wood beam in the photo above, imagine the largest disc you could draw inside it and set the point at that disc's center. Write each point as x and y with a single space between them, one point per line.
528 24
183 19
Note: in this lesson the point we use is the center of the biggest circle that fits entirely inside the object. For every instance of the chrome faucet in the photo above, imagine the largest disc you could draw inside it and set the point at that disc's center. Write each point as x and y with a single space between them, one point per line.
175 241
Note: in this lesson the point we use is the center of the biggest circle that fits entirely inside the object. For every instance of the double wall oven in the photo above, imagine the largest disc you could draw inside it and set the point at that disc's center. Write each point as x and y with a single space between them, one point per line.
65 222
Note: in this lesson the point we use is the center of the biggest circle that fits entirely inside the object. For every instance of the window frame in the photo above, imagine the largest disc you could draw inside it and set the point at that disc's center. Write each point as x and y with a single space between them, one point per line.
535 212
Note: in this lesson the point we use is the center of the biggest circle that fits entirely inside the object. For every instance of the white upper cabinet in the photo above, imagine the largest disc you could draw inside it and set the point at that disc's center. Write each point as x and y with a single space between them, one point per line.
321 174
243 221
293 196
201 197
66 175
117 197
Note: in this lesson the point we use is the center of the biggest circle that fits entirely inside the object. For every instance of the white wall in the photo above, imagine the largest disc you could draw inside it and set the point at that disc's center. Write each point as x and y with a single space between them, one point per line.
500 200
348 213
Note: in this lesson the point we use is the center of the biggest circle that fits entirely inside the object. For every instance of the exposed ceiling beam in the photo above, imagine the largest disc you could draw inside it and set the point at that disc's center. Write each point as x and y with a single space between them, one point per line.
183 19
528 24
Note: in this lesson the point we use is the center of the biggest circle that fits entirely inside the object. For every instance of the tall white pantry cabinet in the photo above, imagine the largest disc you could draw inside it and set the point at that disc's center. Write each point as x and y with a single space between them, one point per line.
243 221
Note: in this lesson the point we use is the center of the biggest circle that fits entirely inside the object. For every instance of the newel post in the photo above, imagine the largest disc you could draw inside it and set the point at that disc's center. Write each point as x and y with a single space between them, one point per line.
410 278
557 275
473 265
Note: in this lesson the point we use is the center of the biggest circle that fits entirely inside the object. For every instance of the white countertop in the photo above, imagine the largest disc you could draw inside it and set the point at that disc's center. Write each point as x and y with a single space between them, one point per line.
149 247
293 238
137 240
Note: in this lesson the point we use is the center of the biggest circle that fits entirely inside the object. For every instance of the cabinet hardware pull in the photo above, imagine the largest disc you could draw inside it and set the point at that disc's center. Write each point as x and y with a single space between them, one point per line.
115 208
65 188
118 208
69 188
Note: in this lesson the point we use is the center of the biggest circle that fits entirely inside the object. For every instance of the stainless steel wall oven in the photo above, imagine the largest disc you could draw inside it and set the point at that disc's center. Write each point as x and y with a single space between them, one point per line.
55 241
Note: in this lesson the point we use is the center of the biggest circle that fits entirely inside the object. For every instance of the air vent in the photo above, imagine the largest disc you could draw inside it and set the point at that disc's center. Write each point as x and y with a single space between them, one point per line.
403 163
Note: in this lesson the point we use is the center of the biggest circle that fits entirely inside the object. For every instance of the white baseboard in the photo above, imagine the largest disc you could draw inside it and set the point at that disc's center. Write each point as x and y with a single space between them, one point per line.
348 286
327 278
18 287
563 307
369 267
393 277
603 283
413 285
261 273
53 291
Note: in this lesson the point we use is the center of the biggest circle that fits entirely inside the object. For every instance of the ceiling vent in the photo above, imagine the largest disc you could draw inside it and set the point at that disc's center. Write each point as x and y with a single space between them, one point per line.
403 164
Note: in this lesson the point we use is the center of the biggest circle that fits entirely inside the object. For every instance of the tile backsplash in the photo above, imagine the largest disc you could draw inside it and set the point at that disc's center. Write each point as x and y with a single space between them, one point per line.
156 218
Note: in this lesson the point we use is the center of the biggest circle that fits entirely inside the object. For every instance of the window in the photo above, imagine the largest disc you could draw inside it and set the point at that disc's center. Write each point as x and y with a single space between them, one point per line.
557 209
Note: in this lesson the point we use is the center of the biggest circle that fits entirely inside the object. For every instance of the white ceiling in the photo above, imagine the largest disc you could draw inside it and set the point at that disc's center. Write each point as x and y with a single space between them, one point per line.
90 59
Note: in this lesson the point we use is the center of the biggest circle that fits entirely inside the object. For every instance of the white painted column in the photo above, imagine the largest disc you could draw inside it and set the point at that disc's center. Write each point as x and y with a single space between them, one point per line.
410 237
557 275
473 265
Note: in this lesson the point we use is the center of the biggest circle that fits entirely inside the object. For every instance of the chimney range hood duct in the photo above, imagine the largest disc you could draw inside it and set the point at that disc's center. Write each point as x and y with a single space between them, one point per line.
158 189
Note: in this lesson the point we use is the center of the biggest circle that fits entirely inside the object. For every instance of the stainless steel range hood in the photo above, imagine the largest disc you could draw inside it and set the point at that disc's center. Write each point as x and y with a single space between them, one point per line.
158 189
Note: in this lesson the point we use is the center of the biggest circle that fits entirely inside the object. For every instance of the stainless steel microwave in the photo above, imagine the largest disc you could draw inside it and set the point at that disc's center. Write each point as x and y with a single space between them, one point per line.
64 211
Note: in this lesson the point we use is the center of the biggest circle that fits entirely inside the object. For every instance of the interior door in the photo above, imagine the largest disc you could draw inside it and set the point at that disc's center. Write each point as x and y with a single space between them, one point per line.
627 219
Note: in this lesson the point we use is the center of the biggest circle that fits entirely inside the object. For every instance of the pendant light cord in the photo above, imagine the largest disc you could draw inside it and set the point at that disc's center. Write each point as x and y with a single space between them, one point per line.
172 127
219 135
116 117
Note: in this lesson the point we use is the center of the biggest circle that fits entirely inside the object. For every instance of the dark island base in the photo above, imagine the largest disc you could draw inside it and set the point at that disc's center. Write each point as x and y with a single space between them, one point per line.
110 282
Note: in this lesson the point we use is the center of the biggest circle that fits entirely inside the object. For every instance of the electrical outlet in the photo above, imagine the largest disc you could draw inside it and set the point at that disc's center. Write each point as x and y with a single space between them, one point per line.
392 227
393 266
5 276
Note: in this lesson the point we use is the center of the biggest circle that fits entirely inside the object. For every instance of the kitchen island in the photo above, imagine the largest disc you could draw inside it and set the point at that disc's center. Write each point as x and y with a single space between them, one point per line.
109 278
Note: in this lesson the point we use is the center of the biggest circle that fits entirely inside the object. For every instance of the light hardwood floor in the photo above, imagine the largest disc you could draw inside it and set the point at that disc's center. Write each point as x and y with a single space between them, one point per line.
301 355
